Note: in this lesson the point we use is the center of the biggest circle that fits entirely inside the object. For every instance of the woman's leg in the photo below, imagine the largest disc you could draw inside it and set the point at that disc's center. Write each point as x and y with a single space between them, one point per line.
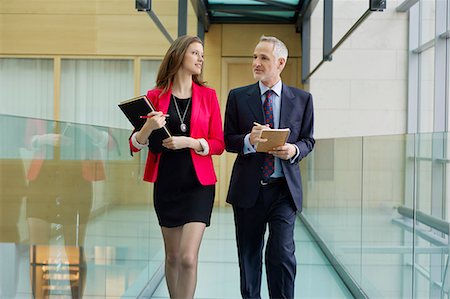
181 247
191 238
172 238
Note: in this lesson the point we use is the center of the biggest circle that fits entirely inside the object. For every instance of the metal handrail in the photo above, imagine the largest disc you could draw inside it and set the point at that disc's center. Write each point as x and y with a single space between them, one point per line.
431 221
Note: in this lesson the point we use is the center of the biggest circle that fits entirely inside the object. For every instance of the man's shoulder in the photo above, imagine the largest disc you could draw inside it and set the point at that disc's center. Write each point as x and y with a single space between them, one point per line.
297 91
243 89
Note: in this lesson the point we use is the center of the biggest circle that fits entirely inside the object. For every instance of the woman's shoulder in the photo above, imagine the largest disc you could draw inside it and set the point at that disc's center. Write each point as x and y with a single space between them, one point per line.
206 89
155 92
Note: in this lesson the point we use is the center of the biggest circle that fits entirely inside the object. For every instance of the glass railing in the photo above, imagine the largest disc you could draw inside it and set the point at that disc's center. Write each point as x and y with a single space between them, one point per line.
76 218
379 207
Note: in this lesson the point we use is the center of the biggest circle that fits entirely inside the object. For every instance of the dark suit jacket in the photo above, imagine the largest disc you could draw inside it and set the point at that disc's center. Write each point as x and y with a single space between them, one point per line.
243 108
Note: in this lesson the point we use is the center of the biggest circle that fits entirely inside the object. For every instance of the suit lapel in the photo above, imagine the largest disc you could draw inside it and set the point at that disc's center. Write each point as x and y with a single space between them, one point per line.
287 106
254 102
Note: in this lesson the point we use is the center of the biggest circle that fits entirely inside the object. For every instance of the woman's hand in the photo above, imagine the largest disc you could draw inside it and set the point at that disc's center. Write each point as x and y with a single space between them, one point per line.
180 142
155 120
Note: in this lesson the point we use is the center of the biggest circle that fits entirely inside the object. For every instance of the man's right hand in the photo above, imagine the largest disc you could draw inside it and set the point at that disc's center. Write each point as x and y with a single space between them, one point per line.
256 132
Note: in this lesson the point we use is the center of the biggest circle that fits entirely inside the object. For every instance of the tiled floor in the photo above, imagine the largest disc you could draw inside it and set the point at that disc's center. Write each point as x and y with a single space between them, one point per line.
124 248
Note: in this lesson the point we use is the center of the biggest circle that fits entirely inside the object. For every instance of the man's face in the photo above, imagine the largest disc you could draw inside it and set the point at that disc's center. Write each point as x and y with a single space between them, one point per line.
265 67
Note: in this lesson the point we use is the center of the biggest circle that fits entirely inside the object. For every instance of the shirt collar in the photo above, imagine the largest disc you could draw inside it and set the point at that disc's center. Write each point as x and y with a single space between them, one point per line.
276 88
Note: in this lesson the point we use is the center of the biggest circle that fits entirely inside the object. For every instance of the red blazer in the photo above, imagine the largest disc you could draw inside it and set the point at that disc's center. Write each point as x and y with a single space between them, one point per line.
206 122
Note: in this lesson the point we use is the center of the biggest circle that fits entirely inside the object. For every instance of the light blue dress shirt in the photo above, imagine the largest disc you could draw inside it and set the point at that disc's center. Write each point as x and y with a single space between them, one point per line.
276 106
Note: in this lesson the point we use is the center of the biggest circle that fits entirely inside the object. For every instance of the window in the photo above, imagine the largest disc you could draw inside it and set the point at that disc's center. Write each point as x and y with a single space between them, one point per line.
26 87
92 88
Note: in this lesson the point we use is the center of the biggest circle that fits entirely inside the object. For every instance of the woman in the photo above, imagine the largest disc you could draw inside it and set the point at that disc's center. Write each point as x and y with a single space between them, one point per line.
183 170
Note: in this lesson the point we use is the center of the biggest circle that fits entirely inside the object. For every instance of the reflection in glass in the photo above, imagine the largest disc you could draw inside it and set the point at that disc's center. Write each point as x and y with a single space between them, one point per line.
67 158
12 193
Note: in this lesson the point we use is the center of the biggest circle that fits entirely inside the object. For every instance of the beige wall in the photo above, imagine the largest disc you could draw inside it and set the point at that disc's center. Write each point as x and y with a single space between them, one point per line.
86 27
113 28
363 90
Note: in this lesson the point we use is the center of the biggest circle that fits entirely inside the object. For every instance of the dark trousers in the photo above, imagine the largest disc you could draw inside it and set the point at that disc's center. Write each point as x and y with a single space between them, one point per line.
274 207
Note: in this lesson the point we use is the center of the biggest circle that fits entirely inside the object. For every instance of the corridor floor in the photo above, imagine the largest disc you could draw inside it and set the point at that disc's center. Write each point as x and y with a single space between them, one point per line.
218 272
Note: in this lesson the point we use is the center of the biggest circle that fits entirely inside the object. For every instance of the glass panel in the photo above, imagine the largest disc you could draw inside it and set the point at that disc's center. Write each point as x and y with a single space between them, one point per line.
332 198
426 91
282 14
317 35
26 87
76 219
427 20
402 251
447 94
91 90
386 247
252 2
431 244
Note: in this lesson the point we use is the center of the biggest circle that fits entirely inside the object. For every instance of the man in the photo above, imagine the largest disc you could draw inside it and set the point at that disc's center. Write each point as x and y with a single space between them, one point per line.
266 188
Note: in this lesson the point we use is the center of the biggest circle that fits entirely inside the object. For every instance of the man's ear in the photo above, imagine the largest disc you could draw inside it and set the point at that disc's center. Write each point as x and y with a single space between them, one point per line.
281 63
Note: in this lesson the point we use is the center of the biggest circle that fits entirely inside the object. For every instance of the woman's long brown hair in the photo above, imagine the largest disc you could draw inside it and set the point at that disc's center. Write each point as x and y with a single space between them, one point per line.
173 60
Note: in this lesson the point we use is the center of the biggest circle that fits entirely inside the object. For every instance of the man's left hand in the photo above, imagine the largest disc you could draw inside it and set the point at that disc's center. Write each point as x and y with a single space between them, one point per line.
284 152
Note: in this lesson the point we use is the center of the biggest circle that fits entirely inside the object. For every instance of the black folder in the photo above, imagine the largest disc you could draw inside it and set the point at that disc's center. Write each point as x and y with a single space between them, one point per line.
135 108
139 106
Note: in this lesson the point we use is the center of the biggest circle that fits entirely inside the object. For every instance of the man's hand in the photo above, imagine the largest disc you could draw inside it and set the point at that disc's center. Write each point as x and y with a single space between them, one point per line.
284 152
256 132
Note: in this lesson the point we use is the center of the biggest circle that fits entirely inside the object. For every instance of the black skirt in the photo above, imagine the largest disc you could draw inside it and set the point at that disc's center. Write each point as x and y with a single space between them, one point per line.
179 198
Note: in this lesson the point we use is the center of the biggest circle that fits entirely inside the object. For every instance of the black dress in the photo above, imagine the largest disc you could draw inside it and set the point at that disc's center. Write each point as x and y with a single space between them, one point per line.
179 198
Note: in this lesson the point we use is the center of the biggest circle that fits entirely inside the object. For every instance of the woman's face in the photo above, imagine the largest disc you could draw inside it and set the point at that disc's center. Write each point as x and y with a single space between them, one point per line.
193 59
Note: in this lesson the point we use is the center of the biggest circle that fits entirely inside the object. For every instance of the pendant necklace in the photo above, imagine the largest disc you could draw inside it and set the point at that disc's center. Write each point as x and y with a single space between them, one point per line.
183 126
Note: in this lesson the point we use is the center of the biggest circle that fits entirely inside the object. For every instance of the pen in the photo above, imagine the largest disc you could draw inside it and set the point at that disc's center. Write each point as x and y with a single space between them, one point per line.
146 116
258 124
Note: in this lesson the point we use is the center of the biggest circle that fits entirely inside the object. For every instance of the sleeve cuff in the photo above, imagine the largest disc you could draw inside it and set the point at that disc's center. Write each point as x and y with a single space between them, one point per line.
205 147
136 144
297 153
248 148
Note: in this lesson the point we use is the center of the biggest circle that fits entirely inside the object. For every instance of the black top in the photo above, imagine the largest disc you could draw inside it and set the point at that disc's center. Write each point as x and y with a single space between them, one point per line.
179 197
173 124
